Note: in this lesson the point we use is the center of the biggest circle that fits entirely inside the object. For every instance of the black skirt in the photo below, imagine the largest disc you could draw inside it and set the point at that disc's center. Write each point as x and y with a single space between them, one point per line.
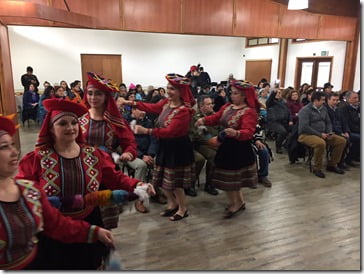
55 255
235 166
174 152
233 154
174 166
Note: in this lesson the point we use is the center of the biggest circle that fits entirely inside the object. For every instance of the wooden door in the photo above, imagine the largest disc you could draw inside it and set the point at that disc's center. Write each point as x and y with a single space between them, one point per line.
106 65
314 71
255 70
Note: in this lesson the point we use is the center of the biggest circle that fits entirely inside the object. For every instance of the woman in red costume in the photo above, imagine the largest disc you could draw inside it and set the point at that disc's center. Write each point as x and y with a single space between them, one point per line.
235 159
174 167
103 126
25 212
69 170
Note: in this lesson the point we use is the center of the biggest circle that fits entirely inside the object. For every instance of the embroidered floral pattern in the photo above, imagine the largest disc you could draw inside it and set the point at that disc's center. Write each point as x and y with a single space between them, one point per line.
91 161
235 118
48 163
32 196
172 114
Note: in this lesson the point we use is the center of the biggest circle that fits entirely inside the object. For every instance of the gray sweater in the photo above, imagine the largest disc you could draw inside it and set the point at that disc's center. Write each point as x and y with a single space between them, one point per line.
312 121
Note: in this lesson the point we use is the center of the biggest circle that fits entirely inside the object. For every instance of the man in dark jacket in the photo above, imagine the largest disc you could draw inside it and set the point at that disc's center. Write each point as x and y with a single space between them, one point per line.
29 78
315 130
336 121
279 118
350 114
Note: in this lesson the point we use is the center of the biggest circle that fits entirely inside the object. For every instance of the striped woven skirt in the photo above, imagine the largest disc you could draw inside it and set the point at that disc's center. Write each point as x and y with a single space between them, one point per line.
174 167
235 165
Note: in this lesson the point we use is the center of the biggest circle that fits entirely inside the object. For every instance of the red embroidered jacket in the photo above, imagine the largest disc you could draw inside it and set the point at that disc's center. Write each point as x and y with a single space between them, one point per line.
244 120
44 218
43 166
126 139
176 124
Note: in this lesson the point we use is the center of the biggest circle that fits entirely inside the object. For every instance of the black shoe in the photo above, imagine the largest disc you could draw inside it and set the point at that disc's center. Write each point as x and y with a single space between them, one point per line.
211 190
319 173
335 169
352 164
190 192
343 166
265 181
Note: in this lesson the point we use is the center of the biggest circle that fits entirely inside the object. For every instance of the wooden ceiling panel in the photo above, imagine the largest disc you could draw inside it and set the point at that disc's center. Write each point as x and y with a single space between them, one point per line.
156 15
333 7
337 27
213 17
298 24
256 18
107 12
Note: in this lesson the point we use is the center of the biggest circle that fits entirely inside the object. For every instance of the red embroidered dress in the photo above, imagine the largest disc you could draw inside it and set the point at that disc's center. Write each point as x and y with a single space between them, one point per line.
235 158
65 177
101 133
174 161
21 220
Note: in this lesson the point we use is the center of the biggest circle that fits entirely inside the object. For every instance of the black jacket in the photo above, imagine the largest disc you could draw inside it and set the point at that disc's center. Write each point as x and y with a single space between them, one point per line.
277 110
336 120
350 118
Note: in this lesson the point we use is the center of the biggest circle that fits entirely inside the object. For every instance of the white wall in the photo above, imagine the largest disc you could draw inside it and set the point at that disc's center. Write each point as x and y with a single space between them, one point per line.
335 48
262 53
54 53
357 70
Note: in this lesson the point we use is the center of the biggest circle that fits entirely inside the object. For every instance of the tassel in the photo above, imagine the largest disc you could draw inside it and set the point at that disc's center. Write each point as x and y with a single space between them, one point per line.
119 196
141 191
55 201
78 202
112 261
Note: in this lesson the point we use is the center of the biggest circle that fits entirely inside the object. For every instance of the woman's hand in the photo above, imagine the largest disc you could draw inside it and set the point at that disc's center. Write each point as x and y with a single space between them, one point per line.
200 122
231 132
140 130
121 101
126 156
105 236
259 144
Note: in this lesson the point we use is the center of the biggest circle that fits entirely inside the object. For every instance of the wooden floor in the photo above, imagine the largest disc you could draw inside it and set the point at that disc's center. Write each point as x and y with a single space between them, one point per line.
301 223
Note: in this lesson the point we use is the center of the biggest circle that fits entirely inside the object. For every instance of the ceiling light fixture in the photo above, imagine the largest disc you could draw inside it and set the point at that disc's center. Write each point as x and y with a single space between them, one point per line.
297 4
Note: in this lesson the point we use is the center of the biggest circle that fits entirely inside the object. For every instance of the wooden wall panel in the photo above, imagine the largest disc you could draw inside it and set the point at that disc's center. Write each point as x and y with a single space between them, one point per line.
213 17
256 18
107 12
7 95
337 27
19 10
298 24
155 16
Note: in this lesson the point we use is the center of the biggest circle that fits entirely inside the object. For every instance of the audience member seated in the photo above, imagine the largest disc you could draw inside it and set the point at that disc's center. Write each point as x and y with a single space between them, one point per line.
220 98
75 93
315 130
59 92
47 94
279 118
66 88
263 151
306 97
328 88
263 94
294 105
146 150
337 123
350 113
30 104
203 151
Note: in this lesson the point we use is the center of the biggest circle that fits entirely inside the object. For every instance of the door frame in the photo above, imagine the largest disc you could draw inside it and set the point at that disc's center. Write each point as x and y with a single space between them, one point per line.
315 60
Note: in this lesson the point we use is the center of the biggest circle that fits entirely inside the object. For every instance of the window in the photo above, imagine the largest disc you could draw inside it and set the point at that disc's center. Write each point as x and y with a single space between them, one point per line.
260 41
303 40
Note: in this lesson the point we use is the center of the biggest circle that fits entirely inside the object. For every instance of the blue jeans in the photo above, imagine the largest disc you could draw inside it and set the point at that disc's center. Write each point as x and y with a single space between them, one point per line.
263 155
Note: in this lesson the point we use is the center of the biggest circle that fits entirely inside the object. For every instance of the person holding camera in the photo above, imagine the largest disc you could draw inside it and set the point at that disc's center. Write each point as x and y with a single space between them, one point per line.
235 160
315 131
